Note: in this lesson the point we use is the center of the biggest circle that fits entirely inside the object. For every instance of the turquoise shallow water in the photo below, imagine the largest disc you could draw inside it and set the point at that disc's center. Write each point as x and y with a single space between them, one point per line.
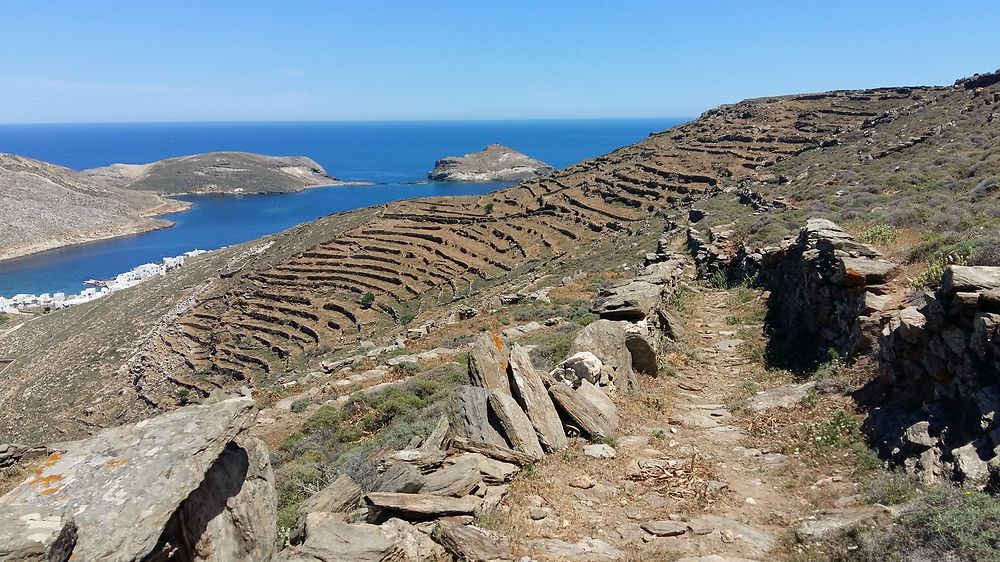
392 154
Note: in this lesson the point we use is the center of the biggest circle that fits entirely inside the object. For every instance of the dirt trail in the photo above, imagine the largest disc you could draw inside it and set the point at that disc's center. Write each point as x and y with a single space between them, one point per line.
687 479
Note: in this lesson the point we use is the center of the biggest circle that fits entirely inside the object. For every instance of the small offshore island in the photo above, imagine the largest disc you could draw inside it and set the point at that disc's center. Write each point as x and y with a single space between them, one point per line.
496 162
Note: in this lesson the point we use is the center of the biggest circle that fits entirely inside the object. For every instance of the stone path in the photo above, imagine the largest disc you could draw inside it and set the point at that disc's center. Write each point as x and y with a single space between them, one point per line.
681 481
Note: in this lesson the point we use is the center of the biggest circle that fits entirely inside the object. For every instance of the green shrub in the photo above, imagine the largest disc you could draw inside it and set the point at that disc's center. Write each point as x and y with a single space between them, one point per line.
889 488
550 348
367 300
408 367
718 279
654 403
879 234
300 405
934 274
347 439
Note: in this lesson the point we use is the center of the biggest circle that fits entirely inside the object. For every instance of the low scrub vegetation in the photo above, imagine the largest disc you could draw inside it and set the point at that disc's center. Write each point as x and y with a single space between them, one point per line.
946 523
551 346
346 439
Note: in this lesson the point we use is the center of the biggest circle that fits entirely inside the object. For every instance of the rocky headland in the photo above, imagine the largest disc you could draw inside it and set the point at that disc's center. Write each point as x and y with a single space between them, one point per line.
496 162
217 172
44 206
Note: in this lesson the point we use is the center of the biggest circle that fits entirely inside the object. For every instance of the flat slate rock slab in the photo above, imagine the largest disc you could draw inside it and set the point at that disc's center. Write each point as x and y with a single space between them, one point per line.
139 474
29 533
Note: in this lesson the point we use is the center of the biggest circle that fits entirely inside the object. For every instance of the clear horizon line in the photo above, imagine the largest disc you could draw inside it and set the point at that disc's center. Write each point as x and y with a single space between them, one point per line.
321 121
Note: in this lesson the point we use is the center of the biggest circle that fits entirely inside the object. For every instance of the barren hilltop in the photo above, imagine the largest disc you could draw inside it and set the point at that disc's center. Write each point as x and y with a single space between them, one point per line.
217 172
770 333
44 206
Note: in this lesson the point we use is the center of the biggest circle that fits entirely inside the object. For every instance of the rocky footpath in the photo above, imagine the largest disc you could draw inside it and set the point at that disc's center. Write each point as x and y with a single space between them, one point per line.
933 409
940 357
496 162
828 291
187 485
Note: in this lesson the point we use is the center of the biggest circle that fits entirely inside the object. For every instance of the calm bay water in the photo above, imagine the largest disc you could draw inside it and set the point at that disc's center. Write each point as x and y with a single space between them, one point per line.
391 154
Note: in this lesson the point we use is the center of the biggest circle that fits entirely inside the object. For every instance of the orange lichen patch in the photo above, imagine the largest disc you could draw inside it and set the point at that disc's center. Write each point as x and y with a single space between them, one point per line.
115 463
853 276
50 484
53 458
52 490
497 341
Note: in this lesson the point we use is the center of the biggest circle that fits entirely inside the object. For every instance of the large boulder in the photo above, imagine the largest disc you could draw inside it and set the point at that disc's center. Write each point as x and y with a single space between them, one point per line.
329 539
400 477
457 479
530 393
465 542
187 482
606 340
588 408
470 417
580 366
383 506
969 278
642 352
488 363
631 302
516 425
341 496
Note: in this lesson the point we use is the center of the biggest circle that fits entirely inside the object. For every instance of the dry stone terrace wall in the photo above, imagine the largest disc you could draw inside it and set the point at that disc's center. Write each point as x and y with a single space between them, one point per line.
417 254
934 409
828 292
941 359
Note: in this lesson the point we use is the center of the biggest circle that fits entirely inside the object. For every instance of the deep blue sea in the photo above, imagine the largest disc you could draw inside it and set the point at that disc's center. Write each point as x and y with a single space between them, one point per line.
392 154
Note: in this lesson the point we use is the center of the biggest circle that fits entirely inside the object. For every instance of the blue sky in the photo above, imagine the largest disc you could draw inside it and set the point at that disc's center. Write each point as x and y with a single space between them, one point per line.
127 61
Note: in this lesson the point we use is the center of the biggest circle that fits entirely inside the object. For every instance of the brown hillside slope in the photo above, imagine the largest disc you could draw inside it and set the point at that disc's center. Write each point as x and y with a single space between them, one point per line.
44 206
251 314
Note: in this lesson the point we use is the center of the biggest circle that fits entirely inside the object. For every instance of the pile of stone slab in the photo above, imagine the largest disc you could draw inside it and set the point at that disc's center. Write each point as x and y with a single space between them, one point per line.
510 415
941 359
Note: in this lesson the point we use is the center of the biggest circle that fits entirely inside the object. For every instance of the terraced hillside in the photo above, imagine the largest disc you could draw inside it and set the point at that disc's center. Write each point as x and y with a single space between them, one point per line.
253 314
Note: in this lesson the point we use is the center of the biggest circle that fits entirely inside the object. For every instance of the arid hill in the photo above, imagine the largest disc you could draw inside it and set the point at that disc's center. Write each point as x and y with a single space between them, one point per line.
217 172
268 311
44 206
